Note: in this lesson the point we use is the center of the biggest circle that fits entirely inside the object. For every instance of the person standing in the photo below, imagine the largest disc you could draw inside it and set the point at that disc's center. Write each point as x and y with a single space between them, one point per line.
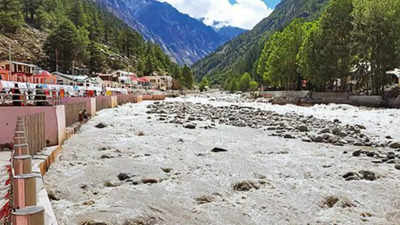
16 95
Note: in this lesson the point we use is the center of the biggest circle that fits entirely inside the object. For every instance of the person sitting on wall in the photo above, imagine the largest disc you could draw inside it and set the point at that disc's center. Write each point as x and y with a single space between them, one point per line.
16 95
83 116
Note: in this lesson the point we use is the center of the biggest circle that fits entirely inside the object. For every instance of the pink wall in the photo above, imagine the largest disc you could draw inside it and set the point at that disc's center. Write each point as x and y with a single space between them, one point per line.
89 104
54 119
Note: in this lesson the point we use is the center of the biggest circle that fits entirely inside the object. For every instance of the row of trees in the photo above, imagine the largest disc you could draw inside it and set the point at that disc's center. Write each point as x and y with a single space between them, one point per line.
241 83
83 35
353 40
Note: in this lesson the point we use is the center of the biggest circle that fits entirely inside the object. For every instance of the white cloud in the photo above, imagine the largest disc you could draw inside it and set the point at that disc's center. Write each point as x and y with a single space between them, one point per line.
244 13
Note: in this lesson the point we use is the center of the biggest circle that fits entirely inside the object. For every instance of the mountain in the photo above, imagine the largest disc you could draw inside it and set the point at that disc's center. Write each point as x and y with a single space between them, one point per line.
229 32
239 55
182 37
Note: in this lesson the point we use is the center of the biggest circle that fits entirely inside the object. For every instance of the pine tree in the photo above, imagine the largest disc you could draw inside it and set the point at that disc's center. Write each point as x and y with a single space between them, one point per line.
77 14
97 59
187 76
11 17
62 46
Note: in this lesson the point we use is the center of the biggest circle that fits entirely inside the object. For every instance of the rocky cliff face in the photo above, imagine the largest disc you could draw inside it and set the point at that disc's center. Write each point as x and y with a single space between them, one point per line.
182 37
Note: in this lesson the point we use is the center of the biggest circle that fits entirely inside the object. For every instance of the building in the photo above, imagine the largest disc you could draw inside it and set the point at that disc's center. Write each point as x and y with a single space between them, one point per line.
20 72
73 80
161 82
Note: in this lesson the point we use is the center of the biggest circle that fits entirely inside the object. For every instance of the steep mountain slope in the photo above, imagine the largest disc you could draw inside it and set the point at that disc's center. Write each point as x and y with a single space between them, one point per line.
229 32
239 55
183 38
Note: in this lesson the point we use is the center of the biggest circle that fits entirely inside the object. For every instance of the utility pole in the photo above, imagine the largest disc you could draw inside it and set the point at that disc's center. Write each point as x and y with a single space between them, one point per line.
56 60
9 55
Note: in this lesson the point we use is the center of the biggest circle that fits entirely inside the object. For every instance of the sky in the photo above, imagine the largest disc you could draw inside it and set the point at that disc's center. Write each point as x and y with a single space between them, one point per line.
239 13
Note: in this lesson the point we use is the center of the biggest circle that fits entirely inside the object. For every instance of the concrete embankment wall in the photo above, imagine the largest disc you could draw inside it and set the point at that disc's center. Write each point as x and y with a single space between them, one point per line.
308 97
54 122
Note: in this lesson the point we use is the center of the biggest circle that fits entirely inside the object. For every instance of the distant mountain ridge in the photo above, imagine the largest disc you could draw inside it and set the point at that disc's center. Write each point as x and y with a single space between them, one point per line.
240 54
182 37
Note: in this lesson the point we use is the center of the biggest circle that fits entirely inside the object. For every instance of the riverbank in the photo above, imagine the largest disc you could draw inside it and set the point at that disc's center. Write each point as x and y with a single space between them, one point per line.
142 169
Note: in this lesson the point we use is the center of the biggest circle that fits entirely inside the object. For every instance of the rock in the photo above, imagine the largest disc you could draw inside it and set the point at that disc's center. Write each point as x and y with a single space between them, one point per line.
357 153
52 195
245 186
371 154
123 176
190 126
216 150
302 128
395 145
391 155
149 181
111 184
166 170
101 125
88 203
330 201
148 220
106 157
325 131
92 222
204 199
289 136
351 176
368 175
317 138
397 166
140 134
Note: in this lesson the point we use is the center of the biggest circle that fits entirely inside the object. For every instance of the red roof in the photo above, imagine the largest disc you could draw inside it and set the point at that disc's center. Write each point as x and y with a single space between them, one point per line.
44 74
3 71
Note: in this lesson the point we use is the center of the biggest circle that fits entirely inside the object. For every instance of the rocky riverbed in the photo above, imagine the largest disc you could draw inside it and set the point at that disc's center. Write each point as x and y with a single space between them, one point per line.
221 160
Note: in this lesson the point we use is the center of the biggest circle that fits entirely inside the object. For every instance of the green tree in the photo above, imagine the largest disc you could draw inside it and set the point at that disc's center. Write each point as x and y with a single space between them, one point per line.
203 84
234 85
77 14
187 77
97 60
253 85
375 35
336 27
244 82
62 46
11 17
312 59
278 61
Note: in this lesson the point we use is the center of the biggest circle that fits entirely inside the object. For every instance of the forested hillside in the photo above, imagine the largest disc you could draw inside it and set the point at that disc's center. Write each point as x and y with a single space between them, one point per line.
351 46
78 34
240 54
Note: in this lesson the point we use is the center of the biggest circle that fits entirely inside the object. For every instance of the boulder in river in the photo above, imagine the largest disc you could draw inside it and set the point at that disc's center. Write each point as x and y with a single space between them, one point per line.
101 125
216 150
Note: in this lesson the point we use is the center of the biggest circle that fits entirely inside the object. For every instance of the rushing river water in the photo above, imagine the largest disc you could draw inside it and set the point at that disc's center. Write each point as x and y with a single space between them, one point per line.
143 170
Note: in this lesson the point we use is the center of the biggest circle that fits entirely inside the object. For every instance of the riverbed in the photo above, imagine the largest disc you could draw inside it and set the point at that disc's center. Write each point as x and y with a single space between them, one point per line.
136 168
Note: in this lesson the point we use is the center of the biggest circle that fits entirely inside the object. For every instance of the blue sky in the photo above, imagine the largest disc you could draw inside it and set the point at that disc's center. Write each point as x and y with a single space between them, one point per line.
239 13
